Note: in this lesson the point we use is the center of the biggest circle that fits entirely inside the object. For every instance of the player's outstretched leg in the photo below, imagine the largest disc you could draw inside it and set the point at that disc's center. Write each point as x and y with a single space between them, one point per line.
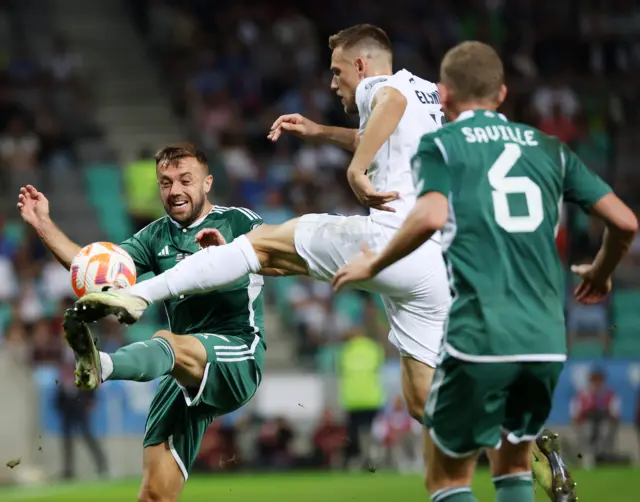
550 471
268 247
184 357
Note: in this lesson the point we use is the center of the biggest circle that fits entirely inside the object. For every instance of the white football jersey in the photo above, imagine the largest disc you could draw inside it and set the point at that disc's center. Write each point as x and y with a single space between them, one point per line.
390 169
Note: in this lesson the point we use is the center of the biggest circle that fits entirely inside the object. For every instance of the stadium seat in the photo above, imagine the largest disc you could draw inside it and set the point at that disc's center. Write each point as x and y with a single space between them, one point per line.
586 349
326 359
350 306
104 184
5 315
626 344
625 310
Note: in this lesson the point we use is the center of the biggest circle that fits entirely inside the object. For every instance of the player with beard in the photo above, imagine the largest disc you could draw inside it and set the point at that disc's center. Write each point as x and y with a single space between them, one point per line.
211 360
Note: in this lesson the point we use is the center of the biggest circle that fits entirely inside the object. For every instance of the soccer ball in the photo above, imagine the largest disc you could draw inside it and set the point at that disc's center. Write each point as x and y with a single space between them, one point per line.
101 266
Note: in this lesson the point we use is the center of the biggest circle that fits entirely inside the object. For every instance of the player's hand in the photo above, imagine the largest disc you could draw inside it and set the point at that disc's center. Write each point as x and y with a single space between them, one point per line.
296 124
367 195
358 269
210 237
33 206
592 288
379 200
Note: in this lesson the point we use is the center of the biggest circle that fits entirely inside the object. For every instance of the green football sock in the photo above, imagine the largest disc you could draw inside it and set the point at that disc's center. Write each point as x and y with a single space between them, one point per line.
514 488
140 361
457 494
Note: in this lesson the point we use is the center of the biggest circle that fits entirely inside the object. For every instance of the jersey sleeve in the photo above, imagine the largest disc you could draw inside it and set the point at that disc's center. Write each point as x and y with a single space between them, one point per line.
430 170
366 91
244 220
581 185
140 251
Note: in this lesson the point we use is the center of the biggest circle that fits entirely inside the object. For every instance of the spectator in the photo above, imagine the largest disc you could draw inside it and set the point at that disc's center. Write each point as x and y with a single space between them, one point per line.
328 441
46 345
361 393
63 65
559 125
74 407
19 147
556 94
400 437
274 444
595 412
141 186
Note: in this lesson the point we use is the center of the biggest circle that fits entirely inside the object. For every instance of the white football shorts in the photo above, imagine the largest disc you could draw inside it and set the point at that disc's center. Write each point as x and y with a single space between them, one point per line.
415 290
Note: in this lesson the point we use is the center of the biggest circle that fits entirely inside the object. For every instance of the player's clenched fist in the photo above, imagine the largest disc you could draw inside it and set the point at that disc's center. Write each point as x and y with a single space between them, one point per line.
296 124
33 205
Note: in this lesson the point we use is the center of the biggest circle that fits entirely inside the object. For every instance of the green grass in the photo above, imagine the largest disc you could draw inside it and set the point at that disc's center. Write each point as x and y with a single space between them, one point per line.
603 485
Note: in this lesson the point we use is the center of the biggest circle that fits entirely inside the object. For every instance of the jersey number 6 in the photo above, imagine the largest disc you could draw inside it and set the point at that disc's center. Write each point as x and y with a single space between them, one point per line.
503 186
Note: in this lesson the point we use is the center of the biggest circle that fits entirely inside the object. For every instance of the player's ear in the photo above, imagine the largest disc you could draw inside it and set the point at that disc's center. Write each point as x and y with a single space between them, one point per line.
444 95
502 94
208 183
360 67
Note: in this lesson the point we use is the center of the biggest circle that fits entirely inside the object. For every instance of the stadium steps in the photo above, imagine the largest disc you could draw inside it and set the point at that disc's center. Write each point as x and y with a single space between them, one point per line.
133 106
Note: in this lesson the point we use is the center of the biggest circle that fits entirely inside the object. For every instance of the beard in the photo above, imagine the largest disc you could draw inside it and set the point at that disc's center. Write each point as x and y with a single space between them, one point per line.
187 218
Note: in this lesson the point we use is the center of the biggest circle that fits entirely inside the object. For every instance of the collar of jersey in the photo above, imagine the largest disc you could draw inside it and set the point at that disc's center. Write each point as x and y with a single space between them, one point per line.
195 223
467 114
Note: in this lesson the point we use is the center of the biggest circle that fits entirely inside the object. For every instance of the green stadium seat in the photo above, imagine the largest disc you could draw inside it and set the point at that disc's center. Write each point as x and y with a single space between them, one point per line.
626 314
105 190
626 344
586 349
14 232
5 315
326 359
350 305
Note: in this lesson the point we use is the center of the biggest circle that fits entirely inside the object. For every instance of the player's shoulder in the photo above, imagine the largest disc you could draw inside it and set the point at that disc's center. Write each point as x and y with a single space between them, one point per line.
550 144
368 86
154 228
408 80
234 213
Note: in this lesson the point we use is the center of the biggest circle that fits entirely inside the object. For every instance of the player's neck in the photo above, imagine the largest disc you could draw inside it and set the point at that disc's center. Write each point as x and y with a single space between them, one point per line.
458 108
206 209
379 70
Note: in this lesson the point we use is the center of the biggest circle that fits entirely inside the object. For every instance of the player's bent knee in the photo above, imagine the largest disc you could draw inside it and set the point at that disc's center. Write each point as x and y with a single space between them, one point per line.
190 357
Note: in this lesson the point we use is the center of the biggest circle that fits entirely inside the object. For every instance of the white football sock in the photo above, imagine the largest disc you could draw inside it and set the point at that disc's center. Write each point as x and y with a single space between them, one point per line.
206 270
106 365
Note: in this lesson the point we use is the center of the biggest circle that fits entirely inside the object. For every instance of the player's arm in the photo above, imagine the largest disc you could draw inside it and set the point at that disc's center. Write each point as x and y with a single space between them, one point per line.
34 209
593 195
344 137
302 127
388 107
428 216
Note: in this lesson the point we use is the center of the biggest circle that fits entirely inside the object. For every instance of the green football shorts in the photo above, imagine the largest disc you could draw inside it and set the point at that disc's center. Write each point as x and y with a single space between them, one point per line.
181 416
471 404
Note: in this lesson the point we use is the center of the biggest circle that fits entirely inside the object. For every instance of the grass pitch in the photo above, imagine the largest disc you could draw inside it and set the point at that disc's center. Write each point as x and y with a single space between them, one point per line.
602 485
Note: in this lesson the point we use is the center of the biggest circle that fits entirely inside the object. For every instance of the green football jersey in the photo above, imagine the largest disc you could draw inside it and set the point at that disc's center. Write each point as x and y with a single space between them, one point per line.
234 310
506 183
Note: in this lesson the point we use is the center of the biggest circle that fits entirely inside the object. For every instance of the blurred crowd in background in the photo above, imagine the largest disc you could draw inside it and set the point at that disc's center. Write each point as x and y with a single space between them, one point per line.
232 67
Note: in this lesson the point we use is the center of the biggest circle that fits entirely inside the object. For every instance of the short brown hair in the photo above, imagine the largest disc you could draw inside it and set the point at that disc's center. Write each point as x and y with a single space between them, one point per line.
350 37
472 71
176 151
